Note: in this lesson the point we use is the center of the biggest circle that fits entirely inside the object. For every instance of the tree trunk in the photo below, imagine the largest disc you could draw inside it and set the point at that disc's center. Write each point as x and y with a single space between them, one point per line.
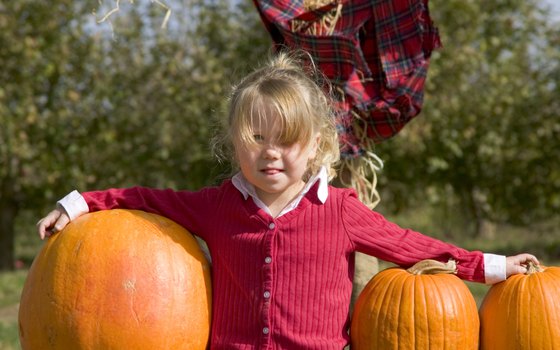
8 213
473 210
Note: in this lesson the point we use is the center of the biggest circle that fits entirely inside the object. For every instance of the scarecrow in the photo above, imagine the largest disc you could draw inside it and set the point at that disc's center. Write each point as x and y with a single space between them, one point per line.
375 54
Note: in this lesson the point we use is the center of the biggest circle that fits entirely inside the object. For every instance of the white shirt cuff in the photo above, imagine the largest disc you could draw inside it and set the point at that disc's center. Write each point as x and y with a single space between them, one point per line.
494 268
74 204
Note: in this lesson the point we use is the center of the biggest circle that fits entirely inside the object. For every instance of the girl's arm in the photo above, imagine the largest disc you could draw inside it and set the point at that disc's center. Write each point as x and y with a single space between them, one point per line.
372 234
184 207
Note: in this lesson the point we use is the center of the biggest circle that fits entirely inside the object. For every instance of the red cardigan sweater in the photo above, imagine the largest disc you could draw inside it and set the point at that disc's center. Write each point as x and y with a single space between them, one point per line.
286 282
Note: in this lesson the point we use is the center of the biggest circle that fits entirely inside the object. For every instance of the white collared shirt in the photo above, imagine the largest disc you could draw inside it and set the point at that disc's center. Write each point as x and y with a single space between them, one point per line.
247 189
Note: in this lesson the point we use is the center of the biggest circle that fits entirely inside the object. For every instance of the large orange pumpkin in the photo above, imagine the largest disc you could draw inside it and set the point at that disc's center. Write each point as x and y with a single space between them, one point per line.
117 279
424 307
523 312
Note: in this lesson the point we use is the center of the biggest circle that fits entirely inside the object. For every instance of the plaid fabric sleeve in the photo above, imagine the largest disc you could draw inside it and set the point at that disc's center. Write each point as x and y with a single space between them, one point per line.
375 53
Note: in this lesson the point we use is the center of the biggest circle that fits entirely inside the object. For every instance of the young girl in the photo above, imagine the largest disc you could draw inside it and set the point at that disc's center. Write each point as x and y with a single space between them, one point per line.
282 241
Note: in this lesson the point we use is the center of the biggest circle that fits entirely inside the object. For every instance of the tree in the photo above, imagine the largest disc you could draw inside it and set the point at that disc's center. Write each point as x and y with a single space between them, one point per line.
485 141
82 106
34 57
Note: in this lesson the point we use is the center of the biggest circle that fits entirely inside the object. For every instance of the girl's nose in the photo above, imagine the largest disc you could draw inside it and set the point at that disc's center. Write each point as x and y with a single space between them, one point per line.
271 151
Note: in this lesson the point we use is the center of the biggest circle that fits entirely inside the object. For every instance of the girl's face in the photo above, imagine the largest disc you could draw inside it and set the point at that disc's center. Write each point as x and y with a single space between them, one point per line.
275 170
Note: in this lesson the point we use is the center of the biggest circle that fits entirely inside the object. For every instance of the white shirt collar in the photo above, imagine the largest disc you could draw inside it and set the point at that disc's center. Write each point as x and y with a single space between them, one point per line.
247 189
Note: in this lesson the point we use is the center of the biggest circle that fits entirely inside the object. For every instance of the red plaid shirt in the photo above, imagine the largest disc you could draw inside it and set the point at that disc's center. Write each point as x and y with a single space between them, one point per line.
377 55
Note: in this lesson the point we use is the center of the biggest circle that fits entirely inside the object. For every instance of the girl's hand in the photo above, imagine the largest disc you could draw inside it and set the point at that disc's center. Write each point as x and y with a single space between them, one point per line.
55 221
518 263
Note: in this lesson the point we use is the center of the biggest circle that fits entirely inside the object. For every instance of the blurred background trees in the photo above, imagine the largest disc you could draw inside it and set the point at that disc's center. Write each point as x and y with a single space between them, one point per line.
86 105
484 149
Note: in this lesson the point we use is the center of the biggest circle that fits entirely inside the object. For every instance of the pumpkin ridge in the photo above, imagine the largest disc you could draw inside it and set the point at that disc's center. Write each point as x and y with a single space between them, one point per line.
472 324
441 296
407 288
544 299
388 295
458 323
438 292
554 277
419 282
173 270
408 283
525 301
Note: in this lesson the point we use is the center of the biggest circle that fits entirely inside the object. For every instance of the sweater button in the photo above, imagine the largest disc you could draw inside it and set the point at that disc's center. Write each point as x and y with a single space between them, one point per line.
266 330
271 226
266 294
268 260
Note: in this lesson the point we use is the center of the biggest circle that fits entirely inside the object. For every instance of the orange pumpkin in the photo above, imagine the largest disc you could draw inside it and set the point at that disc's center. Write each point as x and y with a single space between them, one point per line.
523 312
424 307
117 279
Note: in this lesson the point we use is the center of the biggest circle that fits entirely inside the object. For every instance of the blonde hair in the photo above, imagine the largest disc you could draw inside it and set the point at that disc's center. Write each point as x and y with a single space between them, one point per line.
293 89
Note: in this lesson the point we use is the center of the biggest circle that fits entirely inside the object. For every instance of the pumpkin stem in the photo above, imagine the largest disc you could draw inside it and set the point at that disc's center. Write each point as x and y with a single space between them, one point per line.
432 267
532 268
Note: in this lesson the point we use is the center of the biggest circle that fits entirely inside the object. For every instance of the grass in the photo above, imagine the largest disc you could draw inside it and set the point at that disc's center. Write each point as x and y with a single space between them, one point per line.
541 239
11 284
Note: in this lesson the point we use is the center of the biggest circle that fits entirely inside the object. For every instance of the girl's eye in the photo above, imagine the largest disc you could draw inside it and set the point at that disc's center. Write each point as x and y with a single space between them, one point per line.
258 137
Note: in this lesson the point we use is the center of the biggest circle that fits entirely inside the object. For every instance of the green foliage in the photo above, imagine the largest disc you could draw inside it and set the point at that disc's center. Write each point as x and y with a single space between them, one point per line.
80 109
86 105
485 143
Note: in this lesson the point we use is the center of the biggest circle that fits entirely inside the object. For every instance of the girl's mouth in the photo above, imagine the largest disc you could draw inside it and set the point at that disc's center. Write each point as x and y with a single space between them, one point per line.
271 171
